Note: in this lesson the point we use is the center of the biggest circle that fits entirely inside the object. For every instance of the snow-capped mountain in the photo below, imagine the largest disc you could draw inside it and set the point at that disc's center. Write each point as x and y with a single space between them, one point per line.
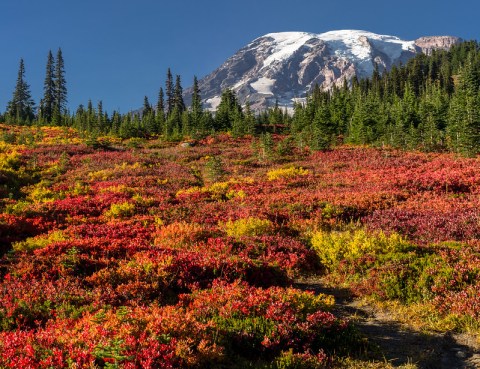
286 65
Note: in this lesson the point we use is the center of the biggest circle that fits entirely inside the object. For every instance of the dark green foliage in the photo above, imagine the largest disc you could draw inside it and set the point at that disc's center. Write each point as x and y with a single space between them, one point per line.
161 103
48 101
169 92
196 110
229 113
60 102
21 108
431 103
178 95
214 170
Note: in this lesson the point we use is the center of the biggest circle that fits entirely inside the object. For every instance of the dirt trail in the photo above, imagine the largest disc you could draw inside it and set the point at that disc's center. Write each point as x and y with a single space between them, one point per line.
398 344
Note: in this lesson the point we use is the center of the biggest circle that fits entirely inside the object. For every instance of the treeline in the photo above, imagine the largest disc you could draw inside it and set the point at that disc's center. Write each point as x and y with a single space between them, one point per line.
432 103
168 117
21 109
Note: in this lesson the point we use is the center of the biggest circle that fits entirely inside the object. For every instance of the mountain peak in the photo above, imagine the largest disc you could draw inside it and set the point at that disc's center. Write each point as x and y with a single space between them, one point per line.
285 66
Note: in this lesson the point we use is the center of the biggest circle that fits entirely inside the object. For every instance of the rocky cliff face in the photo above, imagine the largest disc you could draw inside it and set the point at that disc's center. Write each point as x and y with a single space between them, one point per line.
285 66
430 43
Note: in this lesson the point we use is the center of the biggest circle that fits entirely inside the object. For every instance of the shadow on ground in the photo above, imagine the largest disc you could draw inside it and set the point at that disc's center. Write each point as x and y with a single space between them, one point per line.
389 341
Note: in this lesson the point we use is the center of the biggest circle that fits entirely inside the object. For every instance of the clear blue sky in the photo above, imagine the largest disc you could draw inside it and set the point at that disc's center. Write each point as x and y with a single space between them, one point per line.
118 51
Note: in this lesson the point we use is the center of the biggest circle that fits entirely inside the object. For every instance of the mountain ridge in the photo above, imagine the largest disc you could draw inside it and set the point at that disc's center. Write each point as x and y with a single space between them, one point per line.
285 66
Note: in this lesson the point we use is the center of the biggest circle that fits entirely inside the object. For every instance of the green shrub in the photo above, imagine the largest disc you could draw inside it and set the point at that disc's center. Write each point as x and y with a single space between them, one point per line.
214 170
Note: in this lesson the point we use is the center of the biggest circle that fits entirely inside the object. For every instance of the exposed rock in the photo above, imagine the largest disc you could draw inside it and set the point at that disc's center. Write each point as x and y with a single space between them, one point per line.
287 65
430 43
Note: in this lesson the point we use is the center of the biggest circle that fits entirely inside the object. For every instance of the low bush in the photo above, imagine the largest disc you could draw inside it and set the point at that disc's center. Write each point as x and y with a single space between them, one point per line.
286 173
248 227
333 247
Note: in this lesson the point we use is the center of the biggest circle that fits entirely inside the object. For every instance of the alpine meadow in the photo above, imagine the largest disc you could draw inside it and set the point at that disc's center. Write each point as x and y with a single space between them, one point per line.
312 203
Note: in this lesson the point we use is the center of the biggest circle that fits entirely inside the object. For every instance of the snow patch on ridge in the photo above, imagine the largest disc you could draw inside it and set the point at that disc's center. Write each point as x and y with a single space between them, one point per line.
213 102
263 85
286 43
355 41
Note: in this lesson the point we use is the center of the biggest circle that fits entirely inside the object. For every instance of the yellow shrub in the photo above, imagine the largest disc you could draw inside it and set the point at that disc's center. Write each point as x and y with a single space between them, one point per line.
122 210
290 172
218 190
232 194
309 302
143 201
9 160
101 175
41 193
109 173
248 227
80 188
118 189
38 242
333 247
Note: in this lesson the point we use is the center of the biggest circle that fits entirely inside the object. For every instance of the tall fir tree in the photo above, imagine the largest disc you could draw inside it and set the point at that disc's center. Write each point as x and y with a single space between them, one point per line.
161 102
147 108
196 109
21 108
249 119
60 89
48 100
226 111
178 95
101 122
169 92
464 113
160 113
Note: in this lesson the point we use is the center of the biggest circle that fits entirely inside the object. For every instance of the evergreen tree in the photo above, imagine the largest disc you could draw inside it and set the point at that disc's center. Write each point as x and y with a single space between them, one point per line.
116 122
178 95
169 92
196 110
80 119
226 110
147 108
160 113
149 122
186 124
21 108
173 123
101 122
48 101
161 103
464 112
60 102
323 130
90 117
433 109
238 123
249 119
196 99
275 115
